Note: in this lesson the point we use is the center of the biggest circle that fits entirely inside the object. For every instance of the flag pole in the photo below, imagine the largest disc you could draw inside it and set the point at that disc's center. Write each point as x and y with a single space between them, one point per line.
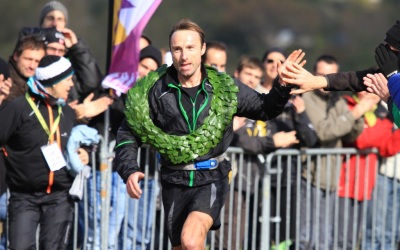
109 33
105 164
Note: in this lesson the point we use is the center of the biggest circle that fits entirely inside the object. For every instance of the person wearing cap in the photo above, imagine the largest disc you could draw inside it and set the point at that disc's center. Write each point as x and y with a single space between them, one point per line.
23 62
87 73
149 60
54 41
34 131
144 41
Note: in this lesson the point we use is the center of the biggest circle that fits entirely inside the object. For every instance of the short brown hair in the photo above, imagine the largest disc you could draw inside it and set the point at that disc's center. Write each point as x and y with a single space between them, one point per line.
186 24
251 62
214 45
33 42
329 59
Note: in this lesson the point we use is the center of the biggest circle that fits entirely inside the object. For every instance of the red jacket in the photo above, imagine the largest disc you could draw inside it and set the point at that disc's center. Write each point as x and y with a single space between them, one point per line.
361 179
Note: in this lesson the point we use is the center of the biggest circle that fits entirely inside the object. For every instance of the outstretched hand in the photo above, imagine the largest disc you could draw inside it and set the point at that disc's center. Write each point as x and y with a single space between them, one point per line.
295 57
377 84
91 108
292 72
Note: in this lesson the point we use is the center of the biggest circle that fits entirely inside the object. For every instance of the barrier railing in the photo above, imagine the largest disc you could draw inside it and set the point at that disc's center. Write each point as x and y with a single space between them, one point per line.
284 200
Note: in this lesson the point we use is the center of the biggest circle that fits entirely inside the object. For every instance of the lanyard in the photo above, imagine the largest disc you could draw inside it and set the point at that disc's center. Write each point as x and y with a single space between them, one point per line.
53 128
53 125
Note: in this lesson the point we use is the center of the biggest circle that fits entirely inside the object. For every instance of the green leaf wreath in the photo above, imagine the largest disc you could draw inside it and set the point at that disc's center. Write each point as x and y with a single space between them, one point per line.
185 148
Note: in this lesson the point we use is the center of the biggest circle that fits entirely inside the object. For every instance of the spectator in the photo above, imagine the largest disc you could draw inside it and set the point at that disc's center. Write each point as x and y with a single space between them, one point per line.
250 135
215 55
333 123
5 85
358 173
55 45
384 207
150 60
87 77
26 57
292 121
144 41
269 60
5 81
36 175
55 42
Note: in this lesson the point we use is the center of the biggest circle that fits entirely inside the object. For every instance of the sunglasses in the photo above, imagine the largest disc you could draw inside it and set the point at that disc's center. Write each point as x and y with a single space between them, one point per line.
272 61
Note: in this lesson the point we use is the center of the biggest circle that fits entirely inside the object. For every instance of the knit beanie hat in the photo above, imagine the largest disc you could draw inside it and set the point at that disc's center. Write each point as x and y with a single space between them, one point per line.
393 35
49 7
144 36
54 36
153 53
52 70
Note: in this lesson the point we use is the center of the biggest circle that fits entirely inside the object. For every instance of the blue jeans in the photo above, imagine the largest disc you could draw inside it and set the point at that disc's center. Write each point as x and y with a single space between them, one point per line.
140 218
387 205
3 219
117 211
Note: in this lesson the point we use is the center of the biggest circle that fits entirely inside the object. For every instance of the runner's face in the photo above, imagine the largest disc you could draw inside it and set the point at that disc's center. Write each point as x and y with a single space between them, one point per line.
186 49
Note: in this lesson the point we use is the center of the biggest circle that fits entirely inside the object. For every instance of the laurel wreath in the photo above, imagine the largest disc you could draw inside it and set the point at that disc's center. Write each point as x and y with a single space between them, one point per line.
184 148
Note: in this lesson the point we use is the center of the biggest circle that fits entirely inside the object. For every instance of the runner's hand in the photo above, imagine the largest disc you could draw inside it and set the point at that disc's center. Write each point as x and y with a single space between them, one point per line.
132 185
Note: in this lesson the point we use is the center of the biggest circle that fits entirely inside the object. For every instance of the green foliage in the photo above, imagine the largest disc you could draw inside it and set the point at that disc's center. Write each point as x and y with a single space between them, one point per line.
282 246
182 149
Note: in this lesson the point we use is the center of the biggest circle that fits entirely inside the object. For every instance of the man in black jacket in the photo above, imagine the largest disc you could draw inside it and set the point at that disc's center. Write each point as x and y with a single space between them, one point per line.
87 74
185 112
34 131
23 62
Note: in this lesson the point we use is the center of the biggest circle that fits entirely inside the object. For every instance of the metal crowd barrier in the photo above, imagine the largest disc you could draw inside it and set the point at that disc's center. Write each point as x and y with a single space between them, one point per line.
263 209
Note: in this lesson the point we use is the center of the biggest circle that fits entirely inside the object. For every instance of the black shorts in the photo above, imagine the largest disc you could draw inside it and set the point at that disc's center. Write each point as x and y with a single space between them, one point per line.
180 200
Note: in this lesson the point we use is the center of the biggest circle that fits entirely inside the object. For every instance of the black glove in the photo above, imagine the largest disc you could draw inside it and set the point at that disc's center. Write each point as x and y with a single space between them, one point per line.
386 59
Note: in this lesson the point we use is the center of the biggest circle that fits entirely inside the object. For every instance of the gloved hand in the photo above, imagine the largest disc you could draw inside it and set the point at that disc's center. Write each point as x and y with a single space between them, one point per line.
387 60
